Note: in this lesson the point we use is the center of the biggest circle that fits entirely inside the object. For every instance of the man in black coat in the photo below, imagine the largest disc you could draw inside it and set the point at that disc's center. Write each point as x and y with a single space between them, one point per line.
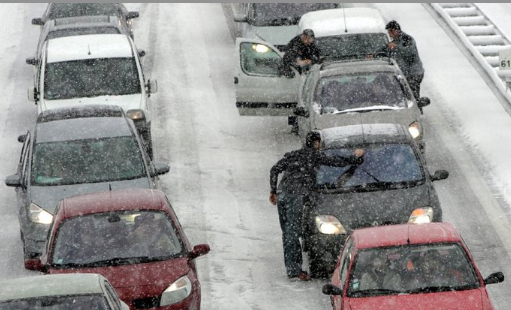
301 51
299 168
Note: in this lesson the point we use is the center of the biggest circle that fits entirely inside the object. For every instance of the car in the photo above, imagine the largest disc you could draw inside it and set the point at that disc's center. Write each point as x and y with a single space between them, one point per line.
60 292
346 32
74 26
423 266
94 69
275 23
353 92
65 10
74 151
136 242
391 186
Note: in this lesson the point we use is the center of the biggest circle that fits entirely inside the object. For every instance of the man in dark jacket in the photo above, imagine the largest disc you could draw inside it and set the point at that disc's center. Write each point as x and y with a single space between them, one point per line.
403 49
301 51
299 168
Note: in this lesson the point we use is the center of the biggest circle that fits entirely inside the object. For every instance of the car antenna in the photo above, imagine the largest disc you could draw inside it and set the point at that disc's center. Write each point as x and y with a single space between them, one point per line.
408 234
110 187
88 46
344 13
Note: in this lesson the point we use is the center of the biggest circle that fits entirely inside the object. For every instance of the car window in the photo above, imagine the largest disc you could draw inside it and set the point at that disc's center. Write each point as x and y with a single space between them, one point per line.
87 161
307 88
279 14
385 166
116 238
359 91
91 78
347 46
85 302
64 10
81 31
259 59
411 269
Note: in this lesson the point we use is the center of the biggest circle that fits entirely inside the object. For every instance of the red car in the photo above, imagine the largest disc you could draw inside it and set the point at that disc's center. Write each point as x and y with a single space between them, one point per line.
412 266
131 237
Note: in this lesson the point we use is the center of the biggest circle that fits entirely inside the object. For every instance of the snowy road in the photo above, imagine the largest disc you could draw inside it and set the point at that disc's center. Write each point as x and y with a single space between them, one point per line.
220 161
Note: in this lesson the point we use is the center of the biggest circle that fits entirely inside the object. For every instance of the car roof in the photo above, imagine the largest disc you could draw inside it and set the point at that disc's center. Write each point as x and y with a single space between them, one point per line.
353 66
332 22
405 234
119 200
337 137
83 21
81 123
51 285
88 47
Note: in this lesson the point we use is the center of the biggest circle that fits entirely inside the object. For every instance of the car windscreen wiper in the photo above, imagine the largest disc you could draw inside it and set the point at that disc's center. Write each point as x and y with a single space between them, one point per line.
368 109
376 291
434 289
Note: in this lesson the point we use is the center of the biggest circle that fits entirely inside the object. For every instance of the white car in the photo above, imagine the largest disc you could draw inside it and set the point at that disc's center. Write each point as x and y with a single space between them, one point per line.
347 32
275 23
94 69
60 292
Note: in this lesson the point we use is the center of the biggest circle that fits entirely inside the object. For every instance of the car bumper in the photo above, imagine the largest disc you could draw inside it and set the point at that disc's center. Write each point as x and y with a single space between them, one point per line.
34 238
326 248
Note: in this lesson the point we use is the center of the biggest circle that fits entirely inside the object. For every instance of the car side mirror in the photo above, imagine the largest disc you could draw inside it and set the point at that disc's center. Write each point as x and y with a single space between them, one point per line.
330 289
240 18
152 86
37 21
13 180
301 111
440 175
199 250
22 138
132 14
160 168
496 277
31 61
423 101
34 264
141 53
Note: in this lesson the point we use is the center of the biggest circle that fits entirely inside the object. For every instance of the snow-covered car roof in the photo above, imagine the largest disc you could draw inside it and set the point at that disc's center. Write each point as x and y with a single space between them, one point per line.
332 22
88 47
51 285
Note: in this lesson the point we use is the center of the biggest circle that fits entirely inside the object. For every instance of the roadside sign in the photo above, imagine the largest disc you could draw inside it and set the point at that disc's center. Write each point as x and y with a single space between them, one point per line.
505 60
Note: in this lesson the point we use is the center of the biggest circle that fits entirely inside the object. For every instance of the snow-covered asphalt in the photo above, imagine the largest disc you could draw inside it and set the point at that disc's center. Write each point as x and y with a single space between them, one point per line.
220 162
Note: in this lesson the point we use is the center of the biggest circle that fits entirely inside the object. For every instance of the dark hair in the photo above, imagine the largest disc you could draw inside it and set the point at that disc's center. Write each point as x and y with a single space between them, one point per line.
393 25
308 32
311 138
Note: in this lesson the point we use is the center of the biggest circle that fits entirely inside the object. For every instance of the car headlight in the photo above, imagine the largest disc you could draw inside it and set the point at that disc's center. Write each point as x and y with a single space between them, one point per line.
415 130
136 115
176 292
329 225
39 215
421 216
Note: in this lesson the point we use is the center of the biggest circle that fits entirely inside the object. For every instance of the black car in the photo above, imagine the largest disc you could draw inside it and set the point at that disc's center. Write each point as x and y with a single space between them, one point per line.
75 151
391 186
66 10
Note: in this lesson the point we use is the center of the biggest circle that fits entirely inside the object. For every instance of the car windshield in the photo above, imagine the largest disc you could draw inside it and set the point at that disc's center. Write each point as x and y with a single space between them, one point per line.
351 45
411 269
91 78
116 238
278 14
385 166
87 161
86 302
361 92
81 31
64 10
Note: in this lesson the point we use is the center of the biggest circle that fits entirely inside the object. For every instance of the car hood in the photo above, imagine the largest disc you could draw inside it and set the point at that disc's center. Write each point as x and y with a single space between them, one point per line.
404 116
47 197
276 35
364 209
459 300
127 102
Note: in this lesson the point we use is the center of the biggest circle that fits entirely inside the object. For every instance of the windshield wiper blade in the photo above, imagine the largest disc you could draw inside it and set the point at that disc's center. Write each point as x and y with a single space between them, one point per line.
368 109
376 291
433 289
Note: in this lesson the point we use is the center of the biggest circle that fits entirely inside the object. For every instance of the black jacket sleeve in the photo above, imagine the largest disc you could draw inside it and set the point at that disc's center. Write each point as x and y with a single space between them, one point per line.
277 169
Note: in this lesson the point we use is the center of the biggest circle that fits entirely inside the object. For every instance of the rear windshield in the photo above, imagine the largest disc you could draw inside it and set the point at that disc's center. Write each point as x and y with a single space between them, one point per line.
81 31
64 10
89 302
279 14
91 78
351 45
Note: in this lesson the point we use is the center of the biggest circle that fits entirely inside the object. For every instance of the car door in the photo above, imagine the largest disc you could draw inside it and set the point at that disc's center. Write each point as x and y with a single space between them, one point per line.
260 88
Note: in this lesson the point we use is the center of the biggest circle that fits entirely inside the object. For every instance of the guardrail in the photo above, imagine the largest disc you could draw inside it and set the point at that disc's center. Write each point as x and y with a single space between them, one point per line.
481 37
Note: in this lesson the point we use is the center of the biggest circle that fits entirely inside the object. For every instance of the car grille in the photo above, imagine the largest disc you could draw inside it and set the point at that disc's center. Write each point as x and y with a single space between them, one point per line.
146 303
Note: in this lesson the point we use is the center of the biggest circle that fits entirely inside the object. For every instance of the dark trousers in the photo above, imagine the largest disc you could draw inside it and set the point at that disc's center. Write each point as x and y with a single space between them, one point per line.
290 207
415 84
